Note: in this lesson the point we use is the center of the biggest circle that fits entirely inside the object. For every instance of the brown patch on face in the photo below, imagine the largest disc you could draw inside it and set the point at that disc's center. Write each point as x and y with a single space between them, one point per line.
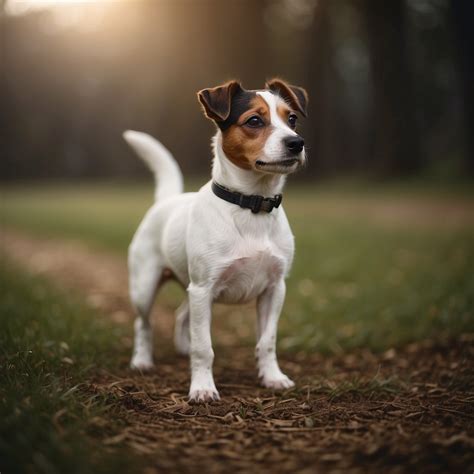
283 110
242 144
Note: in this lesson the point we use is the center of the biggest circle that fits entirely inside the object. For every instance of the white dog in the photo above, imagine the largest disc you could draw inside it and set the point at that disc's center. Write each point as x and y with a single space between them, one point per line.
229 242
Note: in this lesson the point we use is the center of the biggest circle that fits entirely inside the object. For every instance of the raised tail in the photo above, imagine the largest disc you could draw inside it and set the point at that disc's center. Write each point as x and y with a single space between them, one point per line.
168 176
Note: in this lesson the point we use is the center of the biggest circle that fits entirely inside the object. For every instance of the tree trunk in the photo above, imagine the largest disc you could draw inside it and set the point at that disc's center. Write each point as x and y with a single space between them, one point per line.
463 15
396 147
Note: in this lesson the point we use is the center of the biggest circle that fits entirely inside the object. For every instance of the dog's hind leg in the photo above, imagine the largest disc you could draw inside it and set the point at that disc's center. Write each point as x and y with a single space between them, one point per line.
181 330
145 273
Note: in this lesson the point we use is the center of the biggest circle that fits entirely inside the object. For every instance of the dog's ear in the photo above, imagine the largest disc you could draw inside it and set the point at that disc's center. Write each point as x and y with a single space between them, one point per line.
216 101
297 97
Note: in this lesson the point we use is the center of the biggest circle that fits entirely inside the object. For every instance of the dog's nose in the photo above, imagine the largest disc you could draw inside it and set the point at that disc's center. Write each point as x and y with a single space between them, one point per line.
294 144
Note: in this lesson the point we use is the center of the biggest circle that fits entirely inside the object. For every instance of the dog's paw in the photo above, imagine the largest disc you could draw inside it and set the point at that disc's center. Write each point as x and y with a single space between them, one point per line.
141 363
203 396
281 382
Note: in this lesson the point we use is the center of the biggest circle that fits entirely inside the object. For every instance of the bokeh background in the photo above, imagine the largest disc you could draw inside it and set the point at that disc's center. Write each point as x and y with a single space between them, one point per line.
390 82
383 215
378 323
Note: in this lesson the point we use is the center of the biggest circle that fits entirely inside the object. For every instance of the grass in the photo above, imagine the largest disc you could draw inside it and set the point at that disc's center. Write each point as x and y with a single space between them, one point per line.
49 344
365 275
360 286
375 266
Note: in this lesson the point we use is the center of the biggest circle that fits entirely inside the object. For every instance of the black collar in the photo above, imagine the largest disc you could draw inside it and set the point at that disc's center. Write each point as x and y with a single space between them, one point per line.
254 202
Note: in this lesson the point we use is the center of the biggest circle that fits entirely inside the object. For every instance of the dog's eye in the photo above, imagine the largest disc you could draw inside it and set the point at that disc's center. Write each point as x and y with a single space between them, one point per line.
292 118
254 122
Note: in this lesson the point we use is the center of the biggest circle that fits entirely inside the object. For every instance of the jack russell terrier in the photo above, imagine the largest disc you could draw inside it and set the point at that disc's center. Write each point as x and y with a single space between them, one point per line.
230 242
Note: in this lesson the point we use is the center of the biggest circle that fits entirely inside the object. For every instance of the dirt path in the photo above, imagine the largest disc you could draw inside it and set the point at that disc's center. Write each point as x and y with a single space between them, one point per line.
410 410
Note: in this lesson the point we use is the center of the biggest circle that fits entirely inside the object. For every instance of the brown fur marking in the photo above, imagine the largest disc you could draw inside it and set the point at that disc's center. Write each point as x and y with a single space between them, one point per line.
243 145
283 110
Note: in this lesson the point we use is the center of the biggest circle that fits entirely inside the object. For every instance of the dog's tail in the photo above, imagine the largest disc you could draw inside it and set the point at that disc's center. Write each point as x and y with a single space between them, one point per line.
168 176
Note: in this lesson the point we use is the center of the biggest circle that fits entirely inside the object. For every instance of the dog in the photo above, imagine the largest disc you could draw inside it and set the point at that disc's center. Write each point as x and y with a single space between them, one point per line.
230 242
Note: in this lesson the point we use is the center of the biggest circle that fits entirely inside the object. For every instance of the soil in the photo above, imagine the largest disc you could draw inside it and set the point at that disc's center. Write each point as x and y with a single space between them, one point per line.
409 409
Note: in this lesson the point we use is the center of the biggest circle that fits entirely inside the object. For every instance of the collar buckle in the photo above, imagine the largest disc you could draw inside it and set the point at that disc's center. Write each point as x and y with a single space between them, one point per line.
255 203
277 200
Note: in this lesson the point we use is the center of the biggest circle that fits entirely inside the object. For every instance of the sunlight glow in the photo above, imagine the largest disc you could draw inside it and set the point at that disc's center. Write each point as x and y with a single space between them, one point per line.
19 7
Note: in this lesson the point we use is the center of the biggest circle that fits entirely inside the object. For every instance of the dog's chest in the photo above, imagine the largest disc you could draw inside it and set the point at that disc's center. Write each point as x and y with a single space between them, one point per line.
249 273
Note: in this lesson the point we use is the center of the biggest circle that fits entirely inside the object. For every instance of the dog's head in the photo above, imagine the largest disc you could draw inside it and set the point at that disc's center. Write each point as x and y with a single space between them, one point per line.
259 126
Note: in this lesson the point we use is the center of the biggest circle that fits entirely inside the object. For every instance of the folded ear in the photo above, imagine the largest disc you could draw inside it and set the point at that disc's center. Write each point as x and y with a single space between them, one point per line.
297 97
216 102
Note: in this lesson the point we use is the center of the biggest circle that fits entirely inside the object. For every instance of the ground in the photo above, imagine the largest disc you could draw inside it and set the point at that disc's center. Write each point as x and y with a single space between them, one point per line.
401 406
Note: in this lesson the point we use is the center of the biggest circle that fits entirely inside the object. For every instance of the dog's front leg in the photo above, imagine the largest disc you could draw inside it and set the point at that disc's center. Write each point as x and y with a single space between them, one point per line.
269 306
202 388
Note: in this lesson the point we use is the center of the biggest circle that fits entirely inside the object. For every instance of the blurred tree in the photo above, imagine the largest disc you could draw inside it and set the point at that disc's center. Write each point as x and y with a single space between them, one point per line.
463 14
323 82
395 130
380 75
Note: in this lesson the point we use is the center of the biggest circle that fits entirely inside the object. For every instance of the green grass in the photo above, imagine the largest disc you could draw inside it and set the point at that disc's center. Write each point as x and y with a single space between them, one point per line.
363 276
49 344
363 286
104 215
375 266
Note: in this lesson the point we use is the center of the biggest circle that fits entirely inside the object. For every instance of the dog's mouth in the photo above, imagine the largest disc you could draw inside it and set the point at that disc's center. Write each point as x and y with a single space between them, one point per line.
287 163
283 166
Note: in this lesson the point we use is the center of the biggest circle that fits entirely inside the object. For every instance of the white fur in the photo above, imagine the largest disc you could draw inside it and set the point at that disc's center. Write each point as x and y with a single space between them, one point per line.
218 251
275 147
160 161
